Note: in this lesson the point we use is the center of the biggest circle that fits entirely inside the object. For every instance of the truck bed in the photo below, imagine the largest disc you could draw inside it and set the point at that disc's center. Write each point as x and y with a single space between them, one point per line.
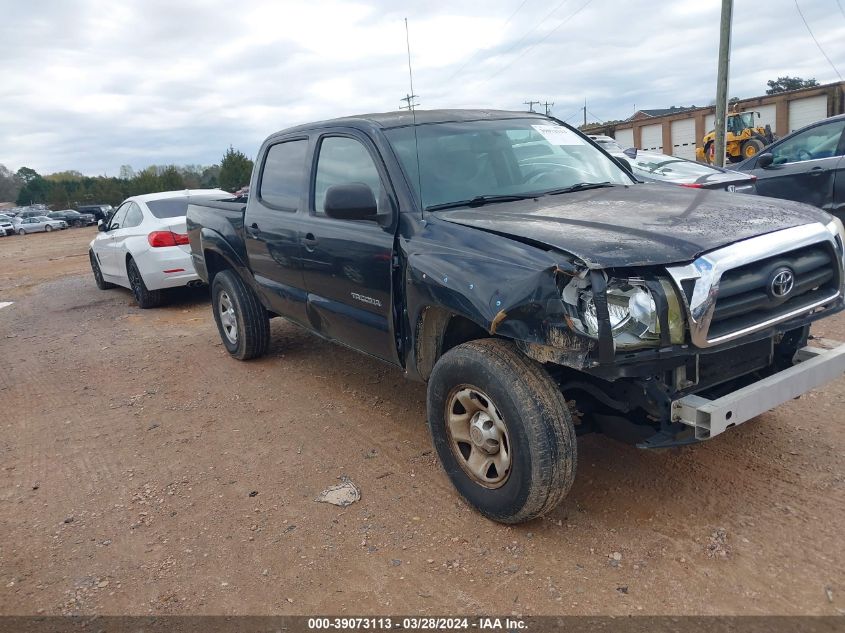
222 220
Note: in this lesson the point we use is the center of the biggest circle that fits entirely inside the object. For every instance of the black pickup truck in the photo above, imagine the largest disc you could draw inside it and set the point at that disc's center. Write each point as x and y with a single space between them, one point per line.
531 281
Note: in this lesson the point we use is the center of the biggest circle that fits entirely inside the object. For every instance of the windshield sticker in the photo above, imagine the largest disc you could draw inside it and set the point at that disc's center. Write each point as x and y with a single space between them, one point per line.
558 135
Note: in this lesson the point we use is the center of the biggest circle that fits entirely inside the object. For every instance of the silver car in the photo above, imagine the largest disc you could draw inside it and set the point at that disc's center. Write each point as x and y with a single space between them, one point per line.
6 226
39 224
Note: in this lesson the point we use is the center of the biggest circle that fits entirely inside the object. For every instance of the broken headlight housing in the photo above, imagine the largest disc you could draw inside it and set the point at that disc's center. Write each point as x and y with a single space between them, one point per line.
634 318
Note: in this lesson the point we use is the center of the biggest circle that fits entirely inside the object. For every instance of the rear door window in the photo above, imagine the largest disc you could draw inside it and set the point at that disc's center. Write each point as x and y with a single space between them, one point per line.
283 174
134 217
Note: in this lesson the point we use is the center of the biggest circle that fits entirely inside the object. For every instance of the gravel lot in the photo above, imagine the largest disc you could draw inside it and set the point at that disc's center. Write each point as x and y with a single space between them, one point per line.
144 471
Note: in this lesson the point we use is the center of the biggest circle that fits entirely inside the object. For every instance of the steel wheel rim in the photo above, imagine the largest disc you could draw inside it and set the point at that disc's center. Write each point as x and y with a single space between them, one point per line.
228 320
478 436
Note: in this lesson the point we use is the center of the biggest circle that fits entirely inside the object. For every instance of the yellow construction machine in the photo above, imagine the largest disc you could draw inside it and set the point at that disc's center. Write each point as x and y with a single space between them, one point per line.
744 139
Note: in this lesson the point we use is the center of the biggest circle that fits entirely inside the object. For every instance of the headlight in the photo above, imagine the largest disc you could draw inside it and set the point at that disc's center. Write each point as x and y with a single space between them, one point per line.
634 320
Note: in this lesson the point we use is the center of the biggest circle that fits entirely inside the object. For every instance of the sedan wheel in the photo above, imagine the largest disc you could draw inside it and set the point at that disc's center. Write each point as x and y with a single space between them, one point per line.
21 232
48 228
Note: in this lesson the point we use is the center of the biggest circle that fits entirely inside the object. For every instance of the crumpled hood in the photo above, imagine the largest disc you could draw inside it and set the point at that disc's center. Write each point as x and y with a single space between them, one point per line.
639 225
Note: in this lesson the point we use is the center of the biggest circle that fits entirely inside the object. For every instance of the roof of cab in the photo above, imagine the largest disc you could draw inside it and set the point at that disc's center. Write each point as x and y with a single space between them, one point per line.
402 118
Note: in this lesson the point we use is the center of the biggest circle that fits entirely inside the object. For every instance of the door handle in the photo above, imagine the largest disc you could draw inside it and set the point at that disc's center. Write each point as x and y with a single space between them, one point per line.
816 171
310 241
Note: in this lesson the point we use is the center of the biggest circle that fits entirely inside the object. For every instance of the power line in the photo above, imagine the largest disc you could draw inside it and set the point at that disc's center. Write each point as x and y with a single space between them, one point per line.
534 28
535 44
474 55
810 31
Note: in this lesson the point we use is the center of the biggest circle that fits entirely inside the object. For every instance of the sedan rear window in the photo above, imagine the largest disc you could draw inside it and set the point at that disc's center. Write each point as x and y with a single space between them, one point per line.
176 207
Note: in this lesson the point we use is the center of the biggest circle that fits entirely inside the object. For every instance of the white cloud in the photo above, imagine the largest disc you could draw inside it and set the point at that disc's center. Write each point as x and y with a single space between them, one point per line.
94 84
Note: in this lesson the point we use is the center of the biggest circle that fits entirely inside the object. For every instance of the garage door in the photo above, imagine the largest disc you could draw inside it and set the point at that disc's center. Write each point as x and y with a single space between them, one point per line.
805 111
625 137
683 138
768 116
709 123
652 138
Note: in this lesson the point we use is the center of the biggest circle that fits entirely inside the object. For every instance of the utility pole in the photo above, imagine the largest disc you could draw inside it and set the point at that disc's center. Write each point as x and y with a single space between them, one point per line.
585 112
548 107
722 81
409 100
531 105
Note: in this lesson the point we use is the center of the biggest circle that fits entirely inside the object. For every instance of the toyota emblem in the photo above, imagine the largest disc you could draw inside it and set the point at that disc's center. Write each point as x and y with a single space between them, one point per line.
782 283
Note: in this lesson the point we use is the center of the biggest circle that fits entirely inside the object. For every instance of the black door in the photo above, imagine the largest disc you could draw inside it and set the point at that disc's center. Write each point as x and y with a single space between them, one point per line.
272 227
347 264
804 166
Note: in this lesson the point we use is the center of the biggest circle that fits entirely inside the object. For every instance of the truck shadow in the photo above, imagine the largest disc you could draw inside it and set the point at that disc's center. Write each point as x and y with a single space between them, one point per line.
616 483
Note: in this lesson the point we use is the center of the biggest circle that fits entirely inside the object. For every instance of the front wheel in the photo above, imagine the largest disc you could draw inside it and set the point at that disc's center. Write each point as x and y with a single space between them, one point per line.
145 298
102 284
241 319
48 228
502 430
21 232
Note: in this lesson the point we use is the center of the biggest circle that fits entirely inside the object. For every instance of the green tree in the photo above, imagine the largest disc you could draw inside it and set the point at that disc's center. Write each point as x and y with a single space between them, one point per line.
783 84
10 185
170 179
235 170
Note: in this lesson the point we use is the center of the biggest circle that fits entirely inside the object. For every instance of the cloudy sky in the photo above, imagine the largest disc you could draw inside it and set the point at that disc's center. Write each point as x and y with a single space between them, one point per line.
94 84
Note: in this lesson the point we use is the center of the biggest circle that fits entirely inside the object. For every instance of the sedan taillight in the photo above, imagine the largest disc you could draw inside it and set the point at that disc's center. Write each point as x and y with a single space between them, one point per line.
158 239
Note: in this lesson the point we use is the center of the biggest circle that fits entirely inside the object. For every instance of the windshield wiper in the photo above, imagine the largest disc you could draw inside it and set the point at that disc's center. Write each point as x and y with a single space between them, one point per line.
480 201
580 186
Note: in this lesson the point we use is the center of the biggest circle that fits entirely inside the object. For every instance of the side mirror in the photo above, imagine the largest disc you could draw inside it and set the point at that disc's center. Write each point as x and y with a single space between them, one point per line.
101 226
631 152
351 201
764 161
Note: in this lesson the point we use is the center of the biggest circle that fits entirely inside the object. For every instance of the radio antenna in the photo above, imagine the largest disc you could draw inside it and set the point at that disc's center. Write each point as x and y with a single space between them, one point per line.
412 107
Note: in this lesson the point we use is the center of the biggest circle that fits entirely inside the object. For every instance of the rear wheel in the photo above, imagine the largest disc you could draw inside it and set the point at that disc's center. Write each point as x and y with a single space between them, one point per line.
102 284
145 298
752 147
241 319
502 430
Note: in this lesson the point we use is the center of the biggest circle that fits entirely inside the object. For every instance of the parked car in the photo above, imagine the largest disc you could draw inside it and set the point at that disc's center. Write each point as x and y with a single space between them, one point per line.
6 225
806 166
31 213
99 211
39 224
656 167
144 247
73 218
505 260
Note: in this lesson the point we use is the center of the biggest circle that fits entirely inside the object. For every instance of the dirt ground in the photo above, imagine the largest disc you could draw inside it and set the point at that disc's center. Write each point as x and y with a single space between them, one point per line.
145 471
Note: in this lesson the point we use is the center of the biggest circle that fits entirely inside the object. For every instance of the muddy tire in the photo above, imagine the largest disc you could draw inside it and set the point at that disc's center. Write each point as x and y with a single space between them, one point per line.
143 297
751 147
241 319
485 397
102 284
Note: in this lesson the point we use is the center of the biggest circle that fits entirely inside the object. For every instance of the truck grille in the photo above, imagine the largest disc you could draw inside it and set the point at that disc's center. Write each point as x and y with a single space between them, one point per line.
750 294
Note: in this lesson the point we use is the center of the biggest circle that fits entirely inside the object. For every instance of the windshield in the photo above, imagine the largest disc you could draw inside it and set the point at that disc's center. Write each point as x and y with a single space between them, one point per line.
669 169
512 157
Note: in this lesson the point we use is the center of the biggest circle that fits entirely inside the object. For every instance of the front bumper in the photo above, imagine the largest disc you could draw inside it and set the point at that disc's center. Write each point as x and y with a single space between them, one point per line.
709 418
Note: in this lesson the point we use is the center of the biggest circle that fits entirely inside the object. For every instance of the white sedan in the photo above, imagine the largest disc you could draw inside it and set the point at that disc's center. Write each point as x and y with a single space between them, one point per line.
144 246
